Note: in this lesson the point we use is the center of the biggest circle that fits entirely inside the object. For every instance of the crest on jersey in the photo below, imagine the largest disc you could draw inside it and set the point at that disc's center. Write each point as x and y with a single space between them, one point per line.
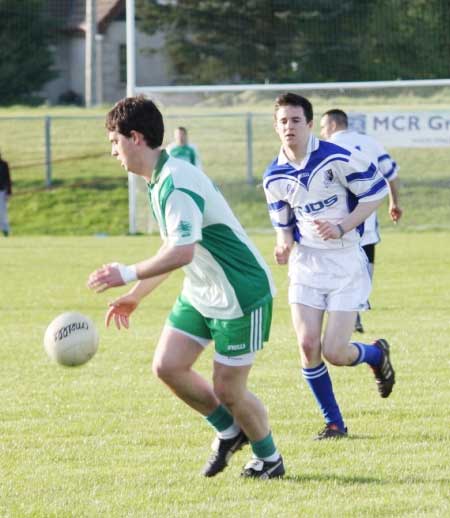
184 229
329 177
291 186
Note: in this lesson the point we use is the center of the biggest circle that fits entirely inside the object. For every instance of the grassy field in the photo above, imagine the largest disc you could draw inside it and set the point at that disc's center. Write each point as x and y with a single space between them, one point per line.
108 440
89 192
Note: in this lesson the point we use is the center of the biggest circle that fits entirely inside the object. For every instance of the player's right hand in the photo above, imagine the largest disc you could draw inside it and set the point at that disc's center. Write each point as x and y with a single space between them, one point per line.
281 254
120 309
108 276
395 212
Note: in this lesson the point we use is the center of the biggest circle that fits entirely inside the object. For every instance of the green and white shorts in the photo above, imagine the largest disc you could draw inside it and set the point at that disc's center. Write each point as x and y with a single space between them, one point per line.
236 340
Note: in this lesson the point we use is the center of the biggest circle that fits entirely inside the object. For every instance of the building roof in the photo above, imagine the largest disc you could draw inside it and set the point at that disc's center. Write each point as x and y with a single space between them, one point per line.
71 14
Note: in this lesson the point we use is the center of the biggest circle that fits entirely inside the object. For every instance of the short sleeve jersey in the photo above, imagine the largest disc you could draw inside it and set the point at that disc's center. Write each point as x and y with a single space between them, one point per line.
370 147
378 154
227 277
328 184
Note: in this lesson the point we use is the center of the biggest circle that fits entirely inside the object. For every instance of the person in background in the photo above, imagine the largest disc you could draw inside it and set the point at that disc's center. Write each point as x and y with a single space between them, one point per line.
318 195
226 296
5 193
334 127
180 147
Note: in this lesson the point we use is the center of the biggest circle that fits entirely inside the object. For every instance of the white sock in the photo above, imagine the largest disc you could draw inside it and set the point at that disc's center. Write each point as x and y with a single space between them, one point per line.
230 432
271 458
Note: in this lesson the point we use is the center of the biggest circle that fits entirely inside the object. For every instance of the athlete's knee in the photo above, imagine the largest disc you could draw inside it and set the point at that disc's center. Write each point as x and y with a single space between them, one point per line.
226 391
335 355
161 369
309 345
225 394
166 369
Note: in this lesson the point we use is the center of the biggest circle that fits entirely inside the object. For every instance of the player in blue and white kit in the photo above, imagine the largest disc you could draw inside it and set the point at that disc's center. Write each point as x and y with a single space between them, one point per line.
334 127
319 195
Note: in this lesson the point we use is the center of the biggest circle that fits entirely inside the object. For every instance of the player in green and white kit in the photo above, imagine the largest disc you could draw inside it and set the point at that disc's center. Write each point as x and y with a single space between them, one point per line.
226 296
181 148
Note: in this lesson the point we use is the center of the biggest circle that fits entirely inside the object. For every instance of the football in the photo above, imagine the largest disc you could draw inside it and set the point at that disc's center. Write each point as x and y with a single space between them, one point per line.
71 339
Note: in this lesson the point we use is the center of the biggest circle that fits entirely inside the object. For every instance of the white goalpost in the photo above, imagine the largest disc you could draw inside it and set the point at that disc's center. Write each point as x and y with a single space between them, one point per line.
131 90
271 87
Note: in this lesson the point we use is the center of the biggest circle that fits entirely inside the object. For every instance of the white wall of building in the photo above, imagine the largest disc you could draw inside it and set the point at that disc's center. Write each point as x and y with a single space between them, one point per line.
151 68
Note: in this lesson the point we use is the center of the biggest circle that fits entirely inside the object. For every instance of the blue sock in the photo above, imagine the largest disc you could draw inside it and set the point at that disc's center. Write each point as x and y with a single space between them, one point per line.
319 382
367 354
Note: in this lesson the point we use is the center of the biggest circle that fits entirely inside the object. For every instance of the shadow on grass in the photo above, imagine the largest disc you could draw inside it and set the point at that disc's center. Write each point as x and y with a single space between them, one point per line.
72 158
101 184
343 480
97 183
348 480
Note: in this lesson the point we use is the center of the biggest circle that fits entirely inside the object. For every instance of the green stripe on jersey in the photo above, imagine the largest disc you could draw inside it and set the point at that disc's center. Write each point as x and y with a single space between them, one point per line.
199 201
242 269
165 191
162 159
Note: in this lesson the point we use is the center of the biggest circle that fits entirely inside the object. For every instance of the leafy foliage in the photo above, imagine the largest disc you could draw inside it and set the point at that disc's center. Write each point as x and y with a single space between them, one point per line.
215 41
233 41
414 41
25 56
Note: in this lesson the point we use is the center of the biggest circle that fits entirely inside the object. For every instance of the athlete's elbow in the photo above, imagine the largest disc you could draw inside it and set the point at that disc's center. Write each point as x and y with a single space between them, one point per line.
185 255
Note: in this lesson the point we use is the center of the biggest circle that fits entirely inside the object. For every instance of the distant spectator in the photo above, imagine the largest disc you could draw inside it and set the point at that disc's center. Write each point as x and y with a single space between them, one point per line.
180 147
5 193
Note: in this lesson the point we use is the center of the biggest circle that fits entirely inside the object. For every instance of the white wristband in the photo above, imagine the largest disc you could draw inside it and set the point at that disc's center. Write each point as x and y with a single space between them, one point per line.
128 273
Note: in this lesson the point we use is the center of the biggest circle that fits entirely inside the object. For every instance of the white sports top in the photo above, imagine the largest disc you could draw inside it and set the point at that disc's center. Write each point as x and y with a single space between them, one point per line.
328 184
227 277
378 155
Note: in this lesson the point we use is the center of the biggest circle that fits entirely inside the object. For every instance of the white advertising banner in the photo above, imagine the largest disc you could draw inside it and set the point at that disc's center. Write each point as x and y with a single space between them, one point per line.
405 129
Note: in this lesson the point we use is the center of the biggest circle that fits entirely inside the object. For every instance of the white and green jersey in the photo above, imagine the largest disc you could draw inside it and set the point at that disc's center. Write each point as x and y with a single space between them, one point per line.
227 277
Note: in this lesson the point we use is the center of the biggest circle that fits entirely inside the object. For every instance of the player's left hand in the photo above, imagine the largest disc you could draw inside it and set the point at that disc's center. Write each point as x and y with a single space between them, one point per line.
120 309
108 276
327 230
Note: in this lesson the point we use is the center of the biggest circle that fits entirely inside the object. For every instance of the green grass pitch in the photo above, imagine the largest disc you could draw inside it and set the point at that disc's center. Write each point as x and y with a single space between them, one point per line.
109 440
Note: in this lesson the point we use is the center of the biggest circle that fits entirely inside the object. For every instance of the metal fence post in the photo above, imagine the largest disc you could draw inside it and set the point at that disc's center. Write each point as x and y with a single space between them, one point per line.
250 178
48 151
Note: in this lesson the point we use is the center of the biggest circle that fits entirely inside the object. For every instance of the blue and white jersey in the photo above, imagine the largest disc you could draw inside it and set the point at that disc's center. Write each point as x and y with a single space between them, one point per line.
328 184
369 146
378 155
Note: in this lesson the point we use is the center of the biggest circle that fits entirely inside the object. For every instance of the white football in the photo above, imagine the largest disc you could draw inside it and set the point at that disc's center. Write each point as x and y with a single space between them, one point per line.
71 339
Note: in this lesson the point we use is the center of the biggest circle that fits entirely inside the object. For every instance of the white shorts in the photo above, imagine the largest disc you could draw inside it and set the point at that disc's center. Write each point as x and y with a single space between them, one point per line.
331 280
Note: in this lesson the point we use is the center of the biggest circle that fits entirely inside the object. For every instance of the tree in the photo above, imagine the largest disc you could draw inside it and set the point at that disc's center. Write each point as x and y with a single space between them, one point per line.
226 41
413 43
25 55
254 41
